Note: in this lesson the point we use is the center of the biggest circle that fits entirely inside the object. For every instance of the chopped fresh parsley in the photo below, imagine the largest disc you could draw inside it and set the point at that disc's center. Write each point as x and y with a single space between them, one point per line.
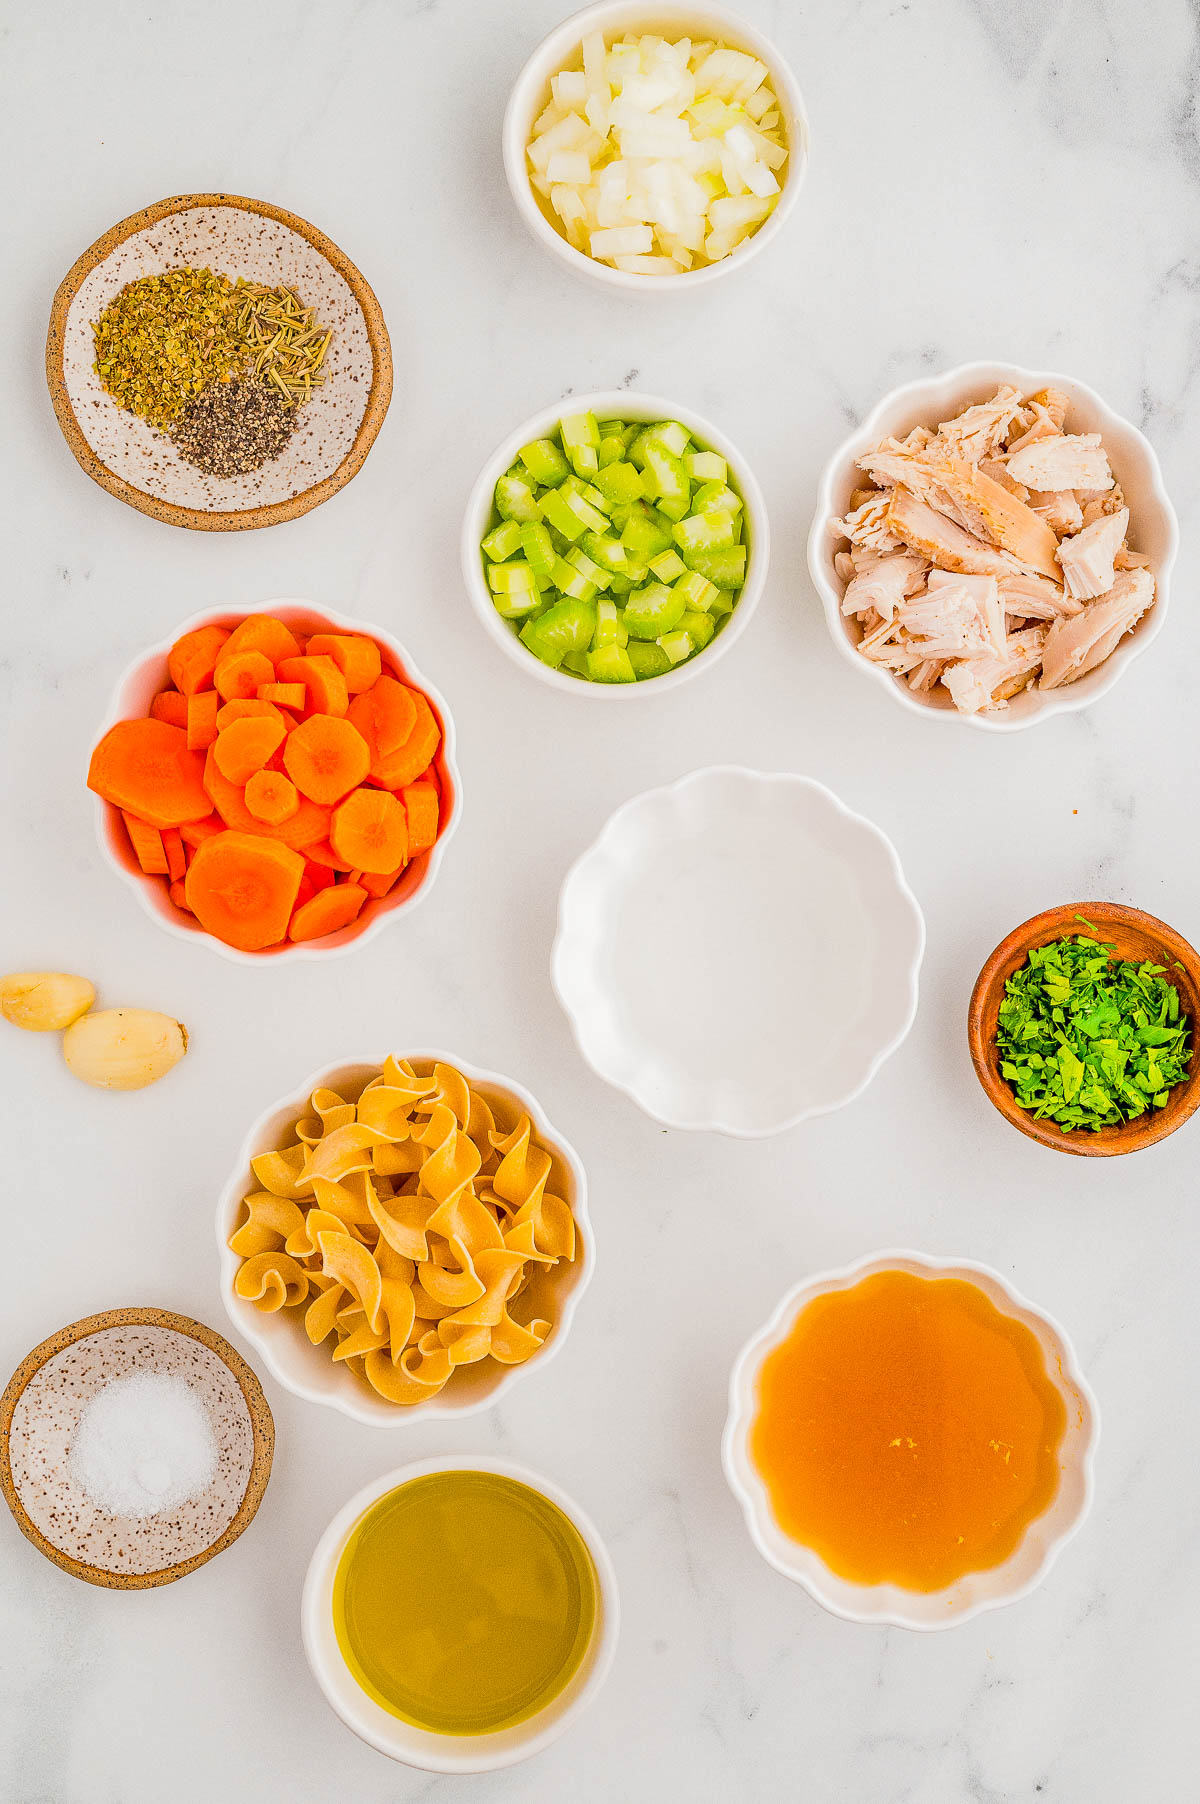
1089 1040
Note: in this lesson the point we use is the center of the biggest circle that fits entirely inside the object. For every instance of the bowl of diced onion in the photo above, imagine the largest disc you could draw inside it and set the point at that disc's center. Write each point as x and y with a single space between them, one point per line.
654 147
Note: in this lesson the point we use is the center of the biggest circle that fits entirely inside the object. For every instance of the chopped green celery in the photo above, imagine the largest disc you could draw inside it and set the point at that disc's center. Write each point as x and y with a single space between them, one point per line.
716 497
610 664
538 547
647 658
668 566
646 533
515 499
652 611
545 462
562 518
595 573
579 485
502 541
696 590
605 549
725 567
516 603
579 432
700 627
571 581
704 532
611 452
586 513
723 602
667 482
567 625
610 625
619 482
508 579
664 435
706 466
576 663
677 646
620 585
611 429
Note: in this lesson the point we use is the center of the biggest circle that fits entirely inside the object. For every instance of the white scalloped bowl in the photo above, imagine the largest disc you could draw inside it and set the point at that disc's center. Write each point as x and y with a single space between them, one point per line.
738 951
310 1372
403 1741
1153 528
1042 1541
132 697
615 404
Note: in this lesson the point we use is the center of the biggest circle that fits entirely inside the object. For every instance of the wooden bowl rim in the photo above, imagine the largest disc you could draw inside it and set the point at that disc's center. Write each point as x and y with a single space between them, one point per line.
261 1423
211 519
1039 930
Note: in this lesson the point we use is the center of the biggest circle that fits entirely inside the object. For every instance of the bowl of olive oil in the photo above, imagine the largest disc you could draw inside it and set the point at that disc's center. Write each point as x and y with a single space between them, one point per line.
459 1614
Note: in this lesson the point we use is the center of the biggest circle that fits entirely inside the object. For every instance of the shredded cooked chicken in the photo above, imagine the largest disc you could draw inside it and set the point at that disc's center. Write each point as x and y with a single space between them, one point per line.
991 554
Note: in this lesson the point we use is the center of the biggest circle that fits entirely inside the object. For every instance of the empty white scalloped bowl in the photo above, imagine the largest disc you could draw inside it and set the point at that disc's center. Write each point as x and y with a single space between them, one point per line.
310 1372
1153 528
882 1605
738 951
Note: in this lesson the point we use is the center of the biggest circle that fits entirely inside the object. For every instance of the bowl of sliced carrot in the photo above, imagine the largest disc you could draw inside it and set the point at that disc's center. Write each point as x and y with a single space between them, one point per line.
278 783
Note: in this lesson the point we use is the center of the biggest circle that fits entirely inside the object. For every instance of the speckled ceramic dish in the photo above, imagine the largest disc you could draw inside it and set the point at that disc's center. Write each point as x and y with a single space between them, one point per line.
41 1408
235 237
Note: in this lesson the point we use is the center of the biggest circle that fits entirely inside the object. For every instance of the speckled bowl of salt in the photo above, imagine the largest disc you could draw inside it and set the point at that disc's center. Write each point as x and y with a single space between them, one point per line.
134 1446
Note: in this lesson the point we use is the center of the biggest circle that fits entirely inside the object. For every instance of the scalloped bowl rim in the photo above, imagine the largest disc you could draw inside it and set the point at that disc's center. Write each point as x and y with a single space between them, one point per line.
275 1347
883 1609
922 392
141 883
565 940
614 403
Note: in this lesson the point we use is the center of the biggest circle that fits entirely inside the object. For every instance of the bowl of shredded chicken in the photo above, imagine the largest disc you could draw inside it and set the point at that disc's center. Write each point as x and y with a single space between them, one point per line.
994 545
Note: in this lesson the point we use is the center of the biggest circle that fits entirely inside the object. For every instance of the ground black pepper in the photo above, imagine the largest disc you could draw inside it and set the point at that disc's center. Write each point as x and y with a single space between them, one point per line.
233 427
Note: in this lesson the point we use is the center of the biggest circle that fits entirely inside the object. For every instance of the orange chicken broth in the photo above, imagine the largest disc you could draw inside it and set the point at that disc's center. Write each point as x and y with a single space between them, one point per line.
907 1431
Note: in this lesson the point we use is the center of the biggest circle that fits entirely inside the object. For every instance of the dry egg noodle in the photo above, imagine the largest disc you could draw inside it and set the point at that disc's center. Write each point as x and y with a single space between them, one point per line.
907 1431
407 1224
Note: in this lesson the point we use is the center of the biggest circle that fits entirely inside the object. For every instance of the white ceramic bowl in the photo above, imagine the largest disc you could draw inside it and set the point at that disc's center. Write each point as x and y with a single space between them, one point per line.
738 951
1153 529
132 697
309 1371
419 1747
889 1604
613 404
562 50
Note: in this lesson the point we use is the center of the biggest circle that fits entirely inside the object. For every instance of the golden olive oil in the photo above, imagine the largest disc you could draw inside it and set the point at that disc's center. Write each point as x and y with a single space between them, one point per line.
464 1602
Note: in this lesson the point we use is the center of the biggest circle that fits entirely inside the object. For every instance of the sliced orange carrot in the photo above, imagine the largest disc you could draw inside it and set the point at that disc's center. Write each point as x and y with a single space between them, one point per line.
326 757
170 706
145 766
321 852
262 632
421 807
201 722
327 912
271 797
248 708
324 684
245 745
194 833
147 844
370 831
308 826
319 875
385 715
178 894
402 766
193 658
378 883
356 656
240 677
172 845
242 888
288 695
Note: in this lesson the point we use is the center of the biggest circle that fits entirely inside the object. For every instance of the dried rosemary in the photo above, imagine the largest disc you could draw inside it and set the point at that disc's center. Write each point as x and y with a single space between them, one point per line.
285 342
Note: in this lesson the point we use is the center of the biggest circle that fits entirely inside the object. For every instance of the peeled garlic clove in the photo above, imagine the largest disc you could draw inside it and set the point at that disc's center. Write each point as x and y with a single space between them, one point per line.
44 1001
124 1048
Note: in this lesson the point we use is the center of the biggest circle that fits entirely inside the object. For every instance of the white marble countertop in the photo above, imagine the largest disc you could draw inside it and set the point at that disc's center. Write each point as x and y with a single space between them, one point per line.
989 179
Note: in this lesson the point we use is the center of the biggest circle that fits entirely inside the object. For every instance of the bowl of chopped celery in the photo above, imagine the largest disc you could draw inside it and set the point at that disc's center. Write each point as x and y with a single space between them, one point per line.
1081 1028
654 147
615 541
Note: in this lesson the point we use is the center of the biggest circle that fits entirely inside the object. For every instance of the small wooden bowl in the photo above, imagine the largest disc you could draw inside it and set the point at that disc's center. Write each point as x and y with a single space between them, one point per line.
238 237
245 1439
1136 936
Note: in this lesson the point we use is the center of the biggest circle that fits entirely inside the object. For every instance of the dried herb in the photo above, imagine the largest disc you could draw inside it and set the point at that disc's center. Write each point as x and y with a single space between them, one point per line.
234 427
1089 1040
166 337
286 344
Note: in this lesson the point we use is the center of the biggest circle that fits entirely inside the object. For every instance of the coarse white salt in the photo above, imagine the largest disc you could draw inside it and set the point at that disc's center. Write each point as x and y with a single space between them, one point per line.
144 1445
